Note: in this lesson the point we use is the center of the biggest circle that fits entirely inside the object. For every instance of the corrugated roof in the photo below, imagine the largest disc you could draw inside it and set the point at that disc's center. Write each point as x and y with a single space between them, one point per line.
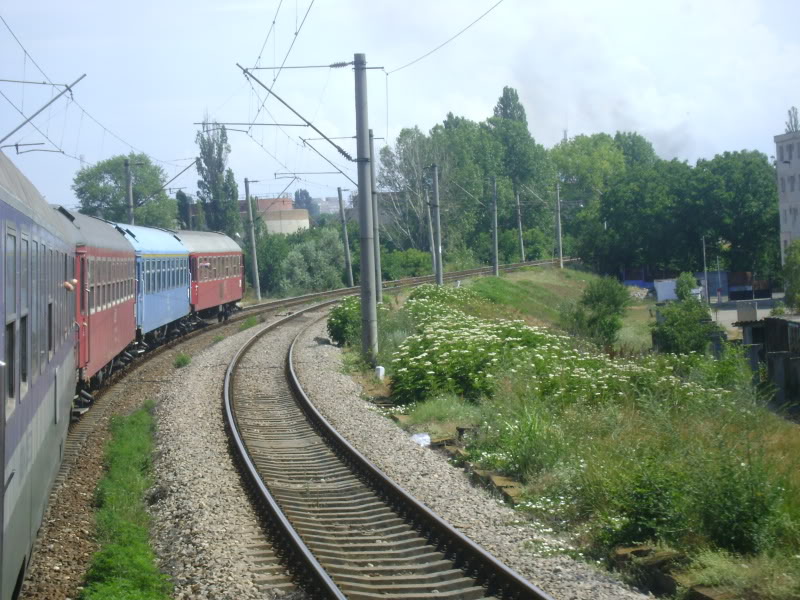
17 191
149 240
207 241
96 233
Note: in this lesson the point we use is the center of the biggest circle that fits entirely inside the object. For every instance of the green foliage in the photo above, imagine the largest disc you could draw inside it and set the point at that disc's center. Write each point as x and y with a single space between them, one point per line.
302 199
684 327
405 263
216 189
125 566
791 275
313 265
102 191
184 210
778 309
344 322
248 323
598 314
793 122
217 339
181 360
684 286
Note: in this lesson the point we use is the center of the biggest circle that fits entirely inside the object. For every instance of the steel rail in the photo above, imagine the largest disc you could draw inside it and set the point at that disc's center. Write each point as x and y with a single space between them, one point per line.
499 579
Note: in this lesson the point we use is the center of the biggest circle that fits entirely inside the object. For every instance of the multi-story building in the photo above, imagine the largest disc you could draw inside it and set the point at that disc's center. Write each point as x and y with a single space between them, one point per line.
787 153
278 214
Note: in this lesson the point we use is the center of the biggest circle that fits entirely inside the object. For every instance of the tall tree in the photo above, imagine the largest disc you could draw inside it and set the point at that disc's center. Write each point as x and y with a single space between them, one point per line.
302 199
102 191
636 148
216 188
793 124
184 210
509 106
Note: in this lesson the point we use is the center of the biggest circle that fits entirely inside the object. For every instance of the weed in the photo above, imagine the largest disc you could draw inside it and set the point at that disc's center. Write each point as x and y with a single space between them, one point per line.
181 360
217 339
125 565
248 323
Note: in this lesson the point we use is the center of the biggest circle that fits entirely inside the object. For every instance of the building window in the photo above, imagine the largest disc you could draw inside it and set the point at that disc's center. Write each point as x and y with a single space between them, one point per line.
780 153
783 185
789 148
791 183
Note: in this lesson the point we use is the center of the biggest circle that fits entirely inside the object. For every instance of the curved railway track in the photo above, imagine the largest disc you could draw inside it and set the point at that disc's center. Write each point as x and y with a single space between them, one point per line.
341 526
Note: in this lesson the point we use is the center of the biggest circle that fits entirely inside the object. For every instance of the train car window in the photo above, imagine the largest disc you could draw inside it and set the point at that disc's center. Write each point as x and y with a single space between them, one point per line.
23 274
10 370
90 276
11 273
23 354
50 327
34 311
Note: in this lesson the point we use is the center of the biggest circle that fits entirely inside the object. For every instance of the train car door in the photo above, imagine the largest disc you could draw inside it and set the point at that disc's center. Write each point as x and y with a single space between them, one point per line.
83 308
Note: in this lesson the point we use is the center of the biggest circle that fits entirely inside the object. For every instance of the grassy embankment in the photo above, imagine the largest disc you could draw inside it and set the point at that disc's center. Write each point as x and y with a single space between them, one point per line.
676 451
125 567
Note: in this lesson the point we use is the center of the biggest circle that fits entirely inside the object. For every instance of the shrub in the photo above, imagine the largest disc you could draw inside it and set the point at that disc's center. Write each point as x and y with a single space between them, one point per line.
344 322
182 360
778 309
406 263
684 327
598 313
684 285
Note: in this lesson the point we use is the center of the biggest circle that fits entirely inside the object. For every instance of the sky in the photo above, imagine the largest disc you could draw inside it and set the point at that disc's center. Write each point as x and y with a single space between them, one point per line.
697 78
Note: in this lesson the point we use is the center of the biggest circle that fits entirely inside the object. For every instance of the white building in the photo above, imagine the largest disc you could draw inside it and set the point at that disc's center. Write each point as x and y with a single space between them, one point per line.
787 152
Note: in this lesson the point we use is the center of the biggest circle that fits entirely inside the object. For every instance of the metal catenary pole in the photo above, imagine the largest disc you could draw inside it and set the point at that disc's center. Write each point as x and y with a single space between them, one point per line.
558 226
348 265
430 232
495 260
519 227
129 190
53 99
375 221
256 282
369 311
437 221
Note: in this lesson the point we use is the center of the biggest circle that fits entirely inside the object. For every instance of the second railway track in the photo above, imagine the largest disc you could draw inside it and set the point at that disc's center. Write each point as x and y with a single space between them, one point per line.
343 528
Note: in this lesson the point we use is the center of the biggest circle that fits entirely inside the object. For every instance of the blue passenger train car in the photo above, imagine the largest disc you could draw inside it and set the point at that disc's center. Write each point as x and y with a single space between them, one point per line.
162 275
38 379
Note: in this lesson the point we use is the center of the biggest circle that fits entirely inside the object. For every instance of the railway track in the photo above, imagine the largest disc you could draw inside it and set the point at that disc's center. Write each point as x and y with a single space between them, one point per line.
343 529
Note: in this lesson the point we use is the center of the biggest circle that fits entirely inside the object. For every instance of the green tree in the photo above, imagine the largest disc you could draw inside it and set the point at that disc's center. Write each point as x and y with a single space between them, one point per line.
314 265
636 148
184 210
102 191
216 188
509 106
684 327
684 286
791 275
302 199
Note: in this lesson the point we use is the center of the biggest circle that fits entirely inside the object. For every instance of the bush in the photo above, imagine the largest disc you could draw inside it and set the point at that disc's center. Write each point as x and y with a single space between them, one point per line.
182 360
248 323
344 322
684 285
406 263
684 327
778 309
598 313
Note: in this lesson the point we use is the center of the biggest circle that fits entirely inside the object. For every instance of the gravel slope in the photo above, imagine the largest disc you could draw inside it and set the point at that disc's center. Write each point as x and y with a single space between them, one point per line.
428 476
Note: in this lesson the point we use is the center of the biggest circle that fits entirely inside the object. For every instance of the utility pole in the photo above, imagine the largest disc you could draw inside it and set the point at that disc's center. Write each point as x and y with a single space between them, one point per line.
256 282
519 227
369 310
375 221
430 232
129 187
705 270
437 247
348 265
558 226
495 259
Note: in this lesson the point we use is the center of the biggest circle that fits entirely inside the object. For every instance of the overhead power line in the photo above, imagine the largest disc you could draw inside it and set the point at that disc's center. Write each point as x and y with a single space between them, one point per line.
33 82
443 44
336 65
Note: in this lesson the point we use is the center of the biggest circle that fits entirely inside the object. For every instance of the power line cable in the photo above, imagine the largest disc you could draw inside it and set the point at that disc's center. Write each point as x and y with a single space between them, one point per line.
36 128
443 44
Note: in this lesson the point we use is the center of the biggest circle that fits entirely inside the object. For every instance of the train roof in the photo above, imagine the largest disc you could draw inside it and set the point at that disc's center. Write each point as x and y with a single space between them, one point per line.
207 241
151 240
17 191
96 233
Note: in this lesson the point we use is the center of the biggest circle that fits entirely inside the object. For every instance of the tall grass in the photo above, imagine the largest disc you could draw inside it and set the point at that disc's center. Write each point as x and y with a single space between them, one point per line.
125 566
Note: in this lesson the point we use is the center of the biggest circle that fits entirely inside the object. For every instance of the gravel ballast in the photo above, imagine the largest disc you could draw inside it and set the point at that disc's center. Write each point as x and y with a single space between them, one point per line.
506 533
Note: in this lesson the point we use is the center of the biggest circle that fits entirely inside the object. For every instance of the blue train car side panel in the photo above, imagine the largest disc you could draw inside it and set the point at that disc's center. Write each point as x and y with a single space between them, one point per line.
162 272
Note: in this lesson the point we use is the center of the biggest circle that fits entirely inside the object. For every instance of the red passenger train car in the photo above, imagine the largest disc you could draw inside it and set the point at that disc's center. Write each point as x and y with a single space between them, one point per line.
105 295
217 272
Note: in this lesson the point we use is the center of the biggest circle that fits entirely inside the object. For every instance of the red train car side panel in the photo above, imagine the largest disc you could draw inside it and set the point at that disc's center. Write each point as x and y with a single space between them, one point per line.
216 279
